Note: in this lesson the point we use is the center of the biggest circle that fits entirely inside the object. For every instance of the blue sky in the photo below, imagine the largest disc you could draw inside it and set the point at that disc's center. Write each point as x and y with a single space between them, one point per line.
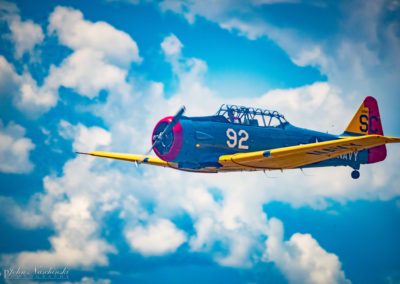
98 75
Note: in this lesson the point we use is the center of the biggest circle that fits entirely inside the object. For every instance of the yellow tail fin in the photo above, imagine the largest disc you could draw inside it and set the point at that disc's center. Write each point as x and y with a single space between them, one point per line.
366 120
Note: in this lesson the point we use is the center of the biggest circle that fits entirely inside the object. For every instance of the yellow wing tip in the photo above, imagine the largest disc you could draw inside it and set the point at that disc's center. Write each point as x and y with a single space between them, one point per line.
394 139
82 153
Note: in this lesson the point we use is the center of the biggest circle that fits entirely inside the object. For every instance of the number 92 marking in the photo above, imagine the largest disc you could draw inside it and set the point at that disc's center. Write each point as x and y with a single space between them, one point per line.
233 138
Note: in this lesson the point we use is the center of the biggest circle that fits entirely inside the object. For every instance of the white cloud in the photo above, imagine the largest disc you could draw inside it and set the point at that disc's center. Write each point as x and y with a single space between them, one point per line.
191 9
240 251
157 238
74 244
34 100
26 218
9 79
190 72
87 73
267 2
69 203
88 280
100 61
84 71
8 9
14 149
73 31
171 45
313 56
301 259
24 34
251 30
309 106
23 90
84 138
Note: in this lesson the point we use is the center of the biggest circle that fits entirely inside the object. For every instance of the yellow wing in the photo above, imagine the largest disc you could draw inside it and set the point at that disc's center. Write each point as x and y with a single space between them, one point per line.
297 156
142 159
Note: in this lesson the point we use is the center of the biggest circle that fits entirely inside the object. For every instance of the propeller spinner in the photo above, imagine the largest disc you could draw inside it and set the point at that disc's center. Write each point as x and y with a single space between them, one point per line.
164 137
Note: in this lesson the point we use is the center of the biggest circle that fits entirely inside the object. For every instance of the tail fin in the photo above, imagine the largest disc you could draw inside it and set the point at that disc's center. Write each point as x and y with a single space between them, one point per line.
368 121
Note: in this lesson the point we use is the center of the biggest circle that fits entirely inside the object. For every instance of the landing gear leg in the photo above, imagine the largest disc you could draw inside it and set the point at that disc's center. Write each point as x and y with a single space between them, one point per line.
355 174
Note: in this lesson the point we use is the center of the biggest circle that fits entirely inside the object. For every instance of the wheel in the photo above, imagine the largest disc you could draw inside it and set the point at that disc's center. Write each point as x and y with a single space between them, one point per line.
355 174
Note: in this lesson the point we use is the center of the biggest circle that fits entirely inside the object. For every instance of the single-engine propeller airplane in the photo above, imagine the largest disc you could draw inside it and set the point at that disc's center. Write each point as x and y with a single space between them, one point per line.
240 138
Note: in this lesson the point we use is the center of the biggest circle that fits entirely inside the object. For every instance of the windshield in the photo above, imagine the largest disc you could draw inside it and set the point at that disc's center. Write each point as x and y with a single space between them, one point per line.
252 116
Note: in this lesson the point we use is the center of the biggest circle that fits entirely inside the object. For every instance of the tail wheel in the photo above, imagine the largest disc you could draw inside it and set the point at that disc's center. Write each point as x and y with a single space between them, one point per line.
355 174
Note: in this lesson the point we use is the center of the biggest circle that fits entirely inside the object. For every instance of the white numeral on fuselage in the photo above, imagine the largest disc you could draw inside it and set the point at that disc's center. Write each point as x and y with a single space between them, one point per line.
233 138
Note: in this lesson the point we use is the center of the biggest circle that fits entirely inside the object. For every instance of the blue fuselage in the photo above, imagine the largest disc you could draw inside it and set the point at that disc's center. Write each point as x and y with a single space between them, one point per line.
205 139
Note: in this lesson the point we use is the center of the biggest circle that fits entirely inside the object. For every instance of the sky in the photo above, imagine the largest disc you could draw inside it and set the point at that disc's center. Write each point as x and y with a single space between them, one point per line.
98 75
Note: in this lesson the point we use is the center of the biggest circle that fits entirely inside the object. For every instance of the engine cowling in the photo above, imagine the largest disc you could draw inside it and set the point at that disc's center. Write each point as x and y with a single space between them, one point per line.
171 143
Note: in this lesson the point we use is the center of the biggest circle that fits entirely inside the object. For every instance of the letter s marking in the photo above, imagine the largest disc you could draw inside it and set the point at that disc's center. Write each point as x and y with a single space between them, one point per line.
364 123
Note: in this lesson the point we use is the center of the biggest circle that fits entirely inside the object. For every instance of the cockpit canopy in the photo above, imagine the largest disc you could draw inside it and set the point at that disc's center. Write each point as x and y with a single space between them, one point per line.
252 116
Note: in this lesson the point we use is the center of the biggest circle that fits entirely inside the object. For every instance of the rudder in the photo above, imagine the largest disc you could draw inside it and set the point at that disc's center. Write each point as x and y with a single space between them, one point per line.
367 120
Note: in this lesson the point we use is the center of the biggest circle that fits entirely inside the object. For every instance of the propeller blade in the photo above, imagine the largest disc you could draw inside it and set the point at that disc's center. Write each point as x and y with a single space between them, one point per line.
178 116
174 121
151 149
171 125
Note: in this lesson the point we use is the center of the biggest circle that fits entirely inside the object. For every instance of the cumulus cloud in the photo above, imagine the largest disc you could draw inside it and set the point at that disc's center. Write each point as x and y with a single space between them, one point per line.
69 204
9 79
89 280
301 259
171 45
77 33
304 104
14 149
24 34
100 60
34 100
191 9
157 238
23 90
74 245
87 73
84 138
21 217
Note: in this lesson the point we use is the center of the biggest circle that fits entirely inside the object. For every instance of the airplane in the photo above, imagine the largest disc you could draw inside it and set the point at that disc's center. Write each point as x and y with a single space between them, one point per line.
241 138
